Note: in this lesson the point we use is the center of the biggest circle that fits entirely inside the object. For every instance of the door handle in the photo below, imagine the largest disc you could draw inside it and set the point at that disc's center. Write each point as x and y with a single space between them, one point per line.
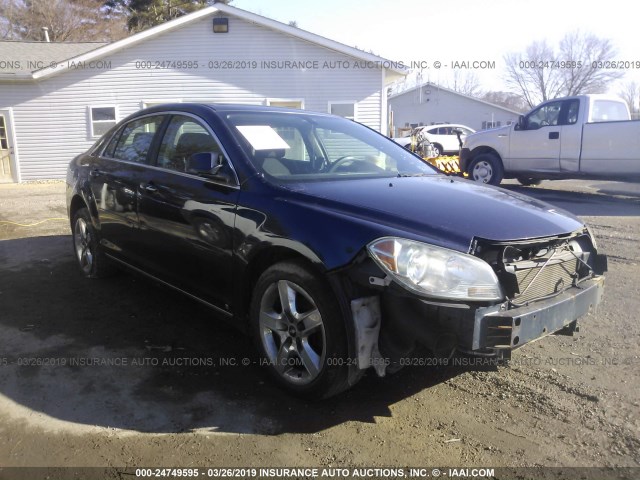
95 172
554 135
149 187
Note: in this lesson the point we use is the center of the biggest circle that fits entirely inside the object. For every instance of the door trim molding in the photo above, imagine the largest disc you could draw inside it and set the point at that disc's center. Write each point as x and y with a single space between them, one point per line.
11 136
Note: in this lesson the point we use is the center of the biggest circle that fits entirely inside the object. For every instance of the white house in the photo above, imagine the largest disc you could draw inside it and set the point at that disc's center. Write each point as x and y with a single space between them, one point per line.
57 99
429 104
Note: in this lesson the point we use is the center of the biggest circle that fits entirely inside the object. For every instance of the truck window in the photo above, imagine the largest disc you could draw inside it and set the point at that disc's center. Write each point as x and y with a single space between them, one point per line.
608 111
547 114
573 106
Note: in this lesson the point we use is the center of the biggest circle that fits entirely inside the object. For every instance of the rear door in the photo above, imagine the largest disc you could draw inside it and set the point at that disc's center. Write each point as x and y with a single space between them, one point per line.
187 221
114 177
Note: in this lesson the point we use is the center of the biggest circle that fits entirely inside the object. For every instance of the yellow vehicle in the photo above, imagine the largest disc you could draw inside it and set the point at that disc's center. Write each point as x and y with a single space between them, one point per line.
447 164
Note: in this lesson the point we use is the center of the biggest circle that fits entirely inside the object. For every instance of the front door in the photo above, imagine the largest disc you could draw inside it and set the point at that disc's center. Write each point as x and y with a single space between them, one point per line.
187 221
6 149
536 148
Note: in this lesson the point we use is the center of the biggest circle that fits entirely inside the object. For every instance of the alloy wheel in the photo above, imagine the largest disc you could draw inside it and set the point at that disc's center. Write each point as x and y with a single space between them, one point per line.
292 332
83 245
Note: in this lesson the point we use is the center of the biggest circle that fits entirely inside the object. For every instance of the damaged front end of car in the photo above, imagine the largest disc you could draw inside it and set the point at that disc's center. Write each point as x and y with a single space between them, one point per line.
489 301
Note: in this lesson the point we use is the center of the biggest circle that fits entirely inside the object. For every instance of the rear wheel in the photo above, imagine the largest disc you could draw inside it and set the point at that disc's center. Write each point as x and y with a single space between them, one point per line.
486 168
529 182
299 331
87 248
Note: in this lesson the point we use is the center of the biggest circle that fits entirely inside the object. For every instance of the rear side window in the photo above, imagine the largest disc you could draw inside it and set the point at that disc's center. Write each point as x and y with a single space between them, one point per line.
608 111
573 107
111 148
135 140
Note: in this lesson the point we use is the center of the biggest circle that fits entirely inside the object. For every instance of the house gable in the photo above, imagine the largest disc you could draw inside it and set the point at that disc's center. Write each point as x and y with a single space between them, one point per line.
186 63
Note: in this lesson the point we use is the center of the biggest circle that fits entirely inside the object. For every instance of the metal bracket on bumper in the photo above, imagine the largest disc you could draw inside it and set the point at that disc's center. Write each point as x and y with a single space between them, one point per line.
497 328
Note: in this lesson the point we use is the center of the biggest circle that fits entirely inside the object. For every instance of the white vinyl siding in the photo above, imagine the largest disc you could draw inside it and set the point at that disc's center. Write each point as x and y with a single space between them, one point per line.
51 115
153 103
428 104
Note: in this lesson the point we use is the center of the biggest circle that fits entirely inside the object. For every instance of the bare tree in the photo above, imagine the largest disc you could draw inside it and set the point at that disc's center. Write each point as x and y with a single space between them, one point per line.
508 100
142 14
523 76
630 93
66 20
574 68
587 54
466 83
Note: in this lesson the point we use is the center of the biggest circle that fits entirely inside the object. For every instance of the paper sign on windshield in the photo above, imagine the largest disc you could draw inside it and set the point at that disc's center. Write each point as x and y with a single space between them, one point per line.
262 137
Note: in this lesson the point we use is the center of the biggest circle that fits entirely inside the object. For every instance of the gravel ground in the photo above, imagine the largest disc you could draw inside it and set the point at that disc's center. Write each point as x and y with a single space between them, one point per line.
172 401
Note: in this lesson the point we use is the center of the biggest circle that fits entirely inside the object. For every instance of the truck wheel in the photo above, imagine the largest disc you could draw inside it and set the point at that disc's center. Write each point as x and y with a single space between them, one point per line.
486 168
299 331
529 182
87 248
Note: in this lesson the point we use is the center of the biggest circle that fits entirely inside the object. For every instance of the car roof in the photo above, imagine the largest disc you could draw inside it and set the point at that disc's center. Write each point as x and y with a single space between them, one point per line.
438 125
224 108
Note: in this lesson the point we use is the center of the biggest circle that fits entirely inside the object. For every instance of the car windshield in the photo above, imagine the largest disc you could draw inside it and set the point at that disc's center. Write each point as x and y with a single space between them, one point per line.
305 147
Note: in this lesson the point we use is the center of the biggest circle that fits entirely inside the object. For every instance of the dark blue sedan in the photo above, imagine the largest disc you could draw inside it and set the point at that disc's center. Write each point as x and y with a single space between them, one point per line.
332 246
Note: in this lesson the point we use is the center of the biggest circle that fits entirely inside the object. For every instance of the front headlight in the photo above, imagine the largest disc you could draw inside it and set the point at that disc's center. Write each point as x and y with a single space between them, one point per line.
435 271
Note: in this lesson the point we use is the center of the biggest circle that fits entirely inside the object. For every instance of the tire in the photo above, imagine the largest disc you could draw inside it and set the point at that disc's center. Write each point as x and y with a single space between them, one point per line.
87 249
437 149
529 182
486 168
304 346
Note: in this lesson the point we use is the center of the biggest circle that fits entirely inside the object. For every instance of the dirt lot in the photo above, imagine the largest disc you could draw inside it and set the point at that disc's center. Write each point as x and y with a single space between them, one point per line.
152 390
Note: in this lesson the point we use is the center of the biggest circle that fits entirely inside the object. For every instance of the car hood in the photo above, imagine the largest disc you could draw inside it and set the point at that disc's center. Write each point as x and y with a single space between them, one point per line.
441 210
491 133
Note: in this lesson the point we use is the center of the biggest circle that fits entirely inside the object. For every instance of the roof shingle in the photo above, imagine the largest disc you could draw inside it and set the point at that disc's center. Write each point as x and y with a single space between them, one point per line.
26 57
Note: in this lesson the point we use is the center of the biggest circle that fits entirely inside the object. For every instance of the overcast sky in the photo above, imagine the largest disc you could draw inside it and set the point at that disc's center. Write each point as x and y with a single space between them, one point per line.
446 31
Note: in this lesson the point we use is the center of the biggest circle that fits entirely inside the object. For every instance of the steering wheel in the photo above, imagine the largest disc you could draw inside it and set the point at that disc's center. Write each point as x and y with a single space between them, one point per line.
544 123
336 163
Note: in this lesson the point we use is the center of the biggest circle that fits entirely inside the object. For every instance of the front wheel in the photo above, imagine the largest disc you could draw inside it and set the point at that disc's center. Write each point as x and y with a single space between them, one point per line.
299 331
529 182
486 168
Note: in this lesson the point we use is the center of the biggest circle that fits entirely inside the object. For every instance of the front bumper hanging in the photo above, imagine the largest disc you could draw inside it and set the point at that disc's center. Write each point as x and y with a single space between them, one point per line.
508 329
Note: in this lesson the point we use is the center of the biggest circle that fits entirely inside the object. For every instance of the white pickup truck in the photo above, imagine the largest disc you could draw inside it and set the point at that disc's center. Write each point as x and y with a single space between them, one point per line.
587 136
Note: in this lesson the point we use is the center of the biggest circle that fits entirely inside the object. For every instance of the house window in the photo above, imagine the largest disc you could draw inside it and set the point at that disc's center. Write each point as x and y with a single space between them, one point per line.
101 120
487 125
286 103
343 109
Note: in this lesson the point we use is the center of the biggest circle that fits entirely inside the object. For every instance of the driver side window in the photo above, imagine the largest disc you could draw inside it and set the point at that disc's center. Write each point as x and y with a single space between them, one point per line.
544 116
183 138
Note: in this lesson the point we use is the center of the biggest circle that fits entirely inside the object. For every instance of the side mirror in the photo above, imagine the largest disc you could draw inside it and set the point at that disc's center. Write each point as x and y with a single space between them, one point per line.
521 125
209 165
